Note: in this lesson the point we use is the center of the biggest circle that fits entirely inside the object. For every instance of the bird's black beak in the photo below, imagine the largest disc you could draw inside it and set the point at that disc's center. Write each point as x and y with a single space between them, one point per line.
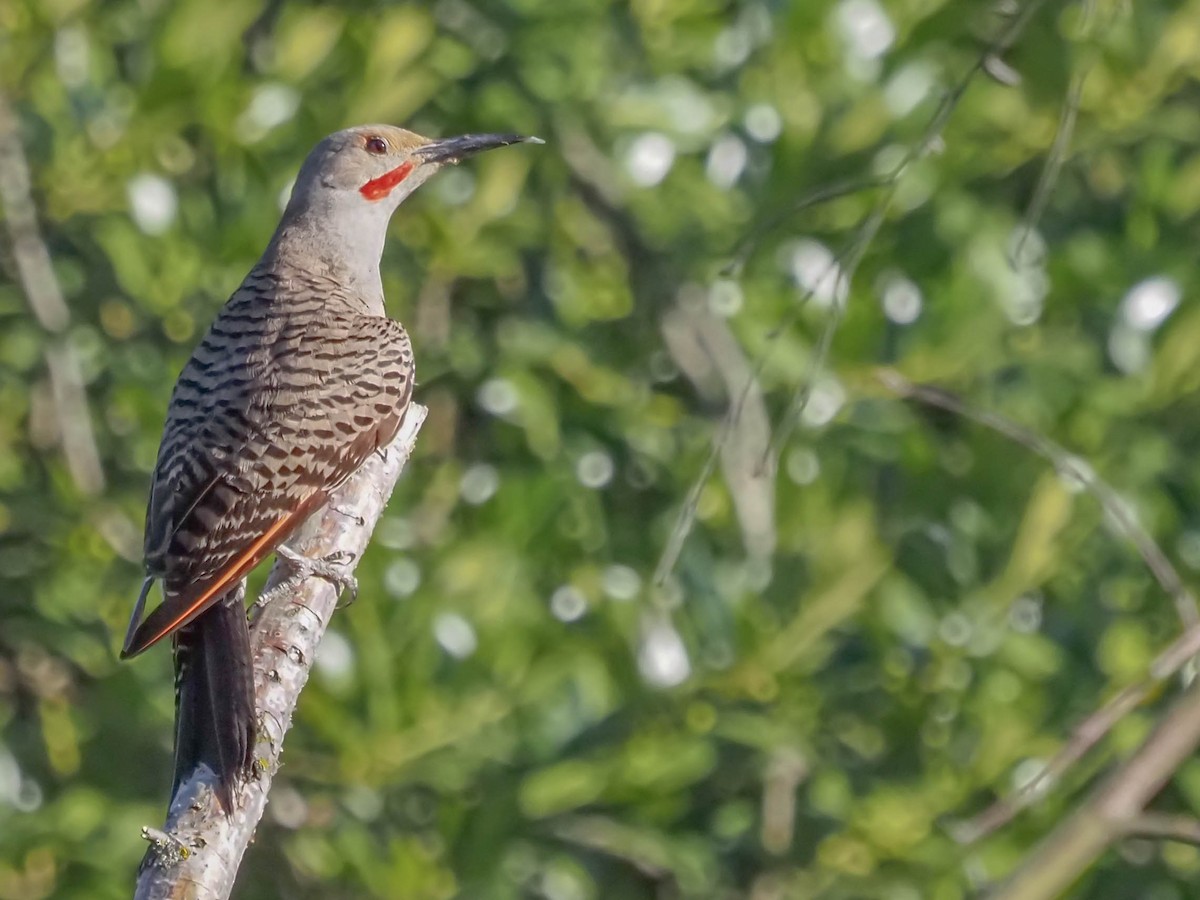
456 149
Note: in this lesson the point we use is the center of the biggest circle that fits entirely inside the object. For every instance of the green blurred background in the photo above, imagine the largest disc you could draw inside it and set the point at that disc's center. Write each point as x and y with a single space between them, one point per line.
846 657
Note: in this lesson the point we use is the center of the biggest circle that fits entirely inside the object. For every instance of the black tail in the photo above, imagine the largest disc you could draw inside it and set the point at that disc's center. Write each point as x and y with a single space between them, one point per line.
214 698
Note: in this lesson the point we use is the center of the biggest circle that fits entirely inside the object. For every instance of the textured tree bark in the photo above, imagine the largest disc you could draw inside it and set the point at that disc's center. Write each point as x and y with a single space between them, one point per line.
198 851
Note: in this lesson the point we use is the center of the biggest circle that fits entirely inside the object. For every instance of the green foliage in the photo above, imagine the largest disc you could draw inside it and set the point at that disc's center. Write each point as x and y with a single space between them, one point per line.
513 708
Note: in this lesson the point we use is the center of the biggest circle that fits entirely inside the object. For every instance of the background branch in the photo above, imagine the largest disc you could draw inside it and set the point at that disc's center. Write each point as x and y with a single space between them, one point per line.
842 268
1112 812
199 854
1165 827
36 275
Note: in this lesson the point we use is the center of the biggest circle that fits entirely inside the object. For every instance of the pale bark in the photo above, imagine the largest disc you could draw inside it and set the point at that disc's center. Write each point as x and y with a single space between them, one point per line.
199 849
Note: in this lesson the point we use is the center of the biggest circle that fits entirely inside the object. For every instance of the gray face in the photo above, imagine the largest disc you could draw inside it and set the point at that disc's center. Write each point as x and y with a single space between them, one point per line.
377 161
348 161
347 190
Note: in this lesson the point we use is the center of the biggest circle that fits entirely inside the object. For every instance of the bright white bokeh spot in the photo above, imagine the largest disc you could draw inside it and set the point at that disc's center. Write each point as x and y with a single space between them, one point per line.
363 802
497 396
270 106
662 657
1188 548
732 47
955 630
649 158
1150 302
594 469
1030 772
763 123
567 603
865 28
725 297
479 483
824 402
803 466
335 656
1026 248
1025 616
620 582
1024 305
669 594
395 533
153 202
455 187
1075 473
1129 348
10 777
726 161
71 55
455 635
689 108
758 574
906 89
288 806
402 578
1014 271
901 299
887 161
29 797
816 271
561 883
752 27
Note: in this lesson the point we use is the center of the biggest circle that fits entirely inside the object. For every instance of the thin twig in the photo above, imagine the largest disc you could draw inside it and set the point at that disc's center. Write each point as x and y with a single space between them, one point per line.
42 291
1054 163
803 393
284 640
1058 148
1118 512
1084 737
1165 827
686 517
1092 729
1113 808
824 194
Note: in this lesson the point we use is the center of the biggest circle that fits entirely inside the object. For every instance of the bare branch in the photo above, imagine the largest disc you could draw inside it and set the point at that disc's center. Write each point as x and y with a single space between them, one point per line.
203 847
1113 810
1054 163
42 291
1126 526
1165 827
851 257
1084 737
1119 513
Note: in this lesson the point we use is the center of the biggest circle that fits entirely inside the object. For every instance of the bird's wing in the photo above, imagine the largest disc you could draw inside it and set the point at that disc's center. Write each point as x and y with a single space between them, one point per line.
271 413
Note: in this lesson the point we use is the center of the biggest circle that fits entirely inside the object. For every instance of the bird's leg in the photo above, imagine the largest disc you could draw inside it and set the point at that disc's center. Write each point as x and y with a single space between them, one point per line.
331 568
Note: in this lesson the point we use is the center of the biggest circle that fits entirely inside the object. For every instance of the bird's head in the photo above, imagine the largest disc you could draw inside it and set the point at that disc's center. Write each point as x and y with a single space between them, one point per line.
375 167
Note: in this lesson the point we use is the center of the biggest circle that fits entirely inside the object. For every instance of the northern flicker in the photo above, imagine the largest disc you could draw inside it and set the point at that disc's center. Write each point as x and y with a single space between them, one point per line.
300 378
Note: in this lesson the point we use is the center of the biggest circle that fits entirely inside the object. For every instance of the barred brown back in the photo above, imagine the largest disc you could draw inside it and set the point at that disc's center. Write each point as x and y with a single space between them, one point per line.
290 390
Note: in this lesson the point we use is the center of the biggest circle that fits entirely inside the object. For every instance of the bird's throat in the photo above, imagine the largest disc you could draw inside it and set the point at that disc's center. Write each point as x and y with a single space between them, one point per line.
378 188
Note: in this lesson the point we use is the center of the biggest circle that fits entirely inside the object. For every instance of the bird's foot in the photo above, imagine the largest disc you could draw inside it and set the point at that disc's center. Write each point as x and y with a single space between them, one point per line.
169 849
332 568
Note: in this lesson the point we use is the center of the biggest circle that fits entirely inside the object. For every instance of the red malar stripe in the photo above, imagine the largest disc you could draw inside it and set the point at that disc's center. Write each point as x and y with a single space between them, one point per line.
378 188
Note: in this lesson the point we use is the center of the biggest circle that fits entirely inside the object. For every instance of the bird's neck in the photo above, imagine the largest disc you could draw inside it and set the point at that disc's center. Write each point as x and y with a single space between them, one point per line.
339 244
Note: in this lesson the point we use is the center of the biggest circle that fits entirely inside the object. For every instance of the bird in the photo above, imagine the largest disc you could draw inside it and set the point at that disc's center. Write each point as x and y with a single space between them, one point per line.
301 376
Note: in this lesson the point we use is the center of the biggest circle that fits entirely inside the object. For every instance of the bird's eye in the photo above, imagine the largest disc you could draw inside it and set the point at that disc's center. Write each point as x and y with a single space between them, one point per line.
376 145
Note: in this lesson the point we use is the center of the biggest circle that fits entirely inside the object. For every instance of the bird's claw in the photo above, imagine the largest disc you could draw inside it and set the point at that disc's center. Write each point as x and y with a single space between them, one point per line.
331 568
